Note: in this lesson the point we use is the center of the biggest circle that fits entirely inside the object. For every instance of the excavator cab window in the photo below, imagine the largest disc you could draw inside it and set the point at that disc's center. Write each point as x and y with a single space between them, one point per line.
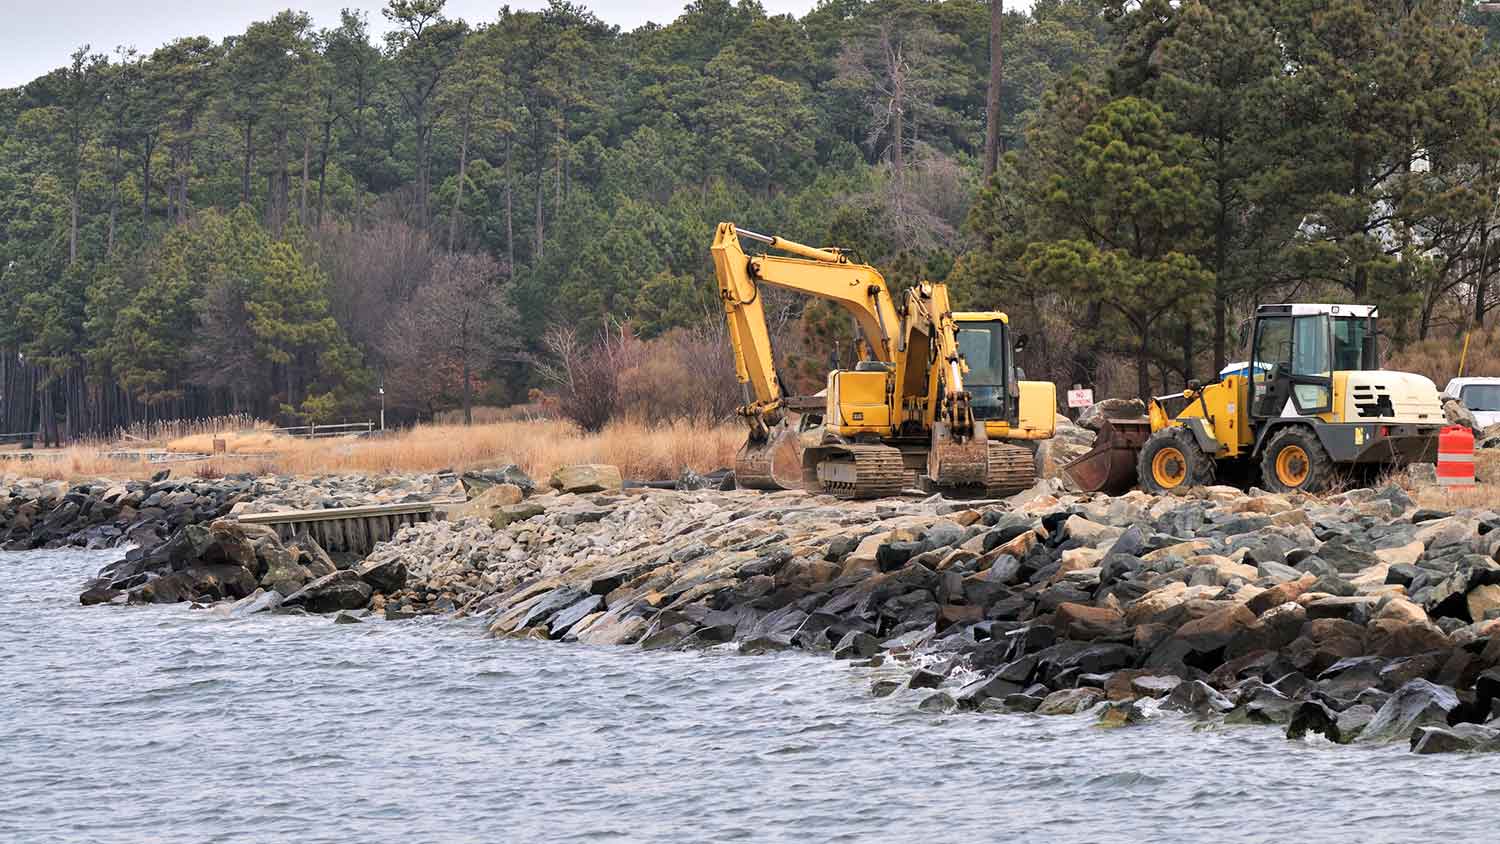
985 347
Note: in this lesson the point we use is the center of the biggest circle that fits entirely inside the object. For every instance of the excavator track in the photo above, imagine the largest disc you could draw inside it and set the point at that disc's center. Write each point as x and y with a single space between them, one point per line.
859 471
1012 468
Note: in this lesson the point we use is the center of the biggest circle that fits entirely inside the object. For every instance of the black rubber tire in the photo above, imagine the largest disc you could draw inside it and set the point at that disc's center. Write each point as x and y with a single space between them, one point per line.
1200 467
1319 464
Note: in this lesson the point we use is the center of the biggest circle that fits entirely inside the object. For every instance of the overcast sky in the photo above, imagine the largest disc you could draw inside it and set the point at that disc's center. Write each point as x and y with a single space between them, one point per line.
39 36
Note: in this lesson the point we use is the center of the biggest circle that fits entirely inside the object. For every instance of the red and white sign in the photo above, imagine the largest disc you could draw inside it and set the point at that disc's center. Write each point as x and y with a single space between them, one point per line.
1080 398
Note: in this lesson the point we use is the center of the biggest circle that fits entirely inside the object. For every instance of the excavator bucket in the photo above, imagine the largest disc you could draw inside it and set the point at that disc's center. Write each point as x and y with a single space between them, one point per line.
1109 466
771 464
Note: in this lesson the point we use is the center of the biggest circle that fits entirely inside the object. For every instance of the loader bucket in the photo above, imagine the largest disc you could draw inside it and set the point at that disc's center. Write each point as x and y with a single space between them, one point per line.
1109 466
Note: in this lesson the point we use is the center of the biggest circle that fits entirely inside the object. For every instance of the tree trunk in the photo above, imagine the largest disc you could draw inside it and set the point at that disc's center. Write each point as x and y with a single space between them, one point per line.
73 225
898 157
1143 367
245 170
422 141
1221 287
458 194
1187 350
557 175
270 221
541 192
323 169
283 182
114 204
468 382
992 97
306 159
146 186
182 184
510 231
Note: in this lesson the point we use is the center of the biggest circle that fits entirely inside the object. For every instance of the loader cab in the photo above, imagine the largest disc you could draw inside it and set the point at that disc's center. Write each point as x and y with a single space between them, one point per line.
1296 349
984 340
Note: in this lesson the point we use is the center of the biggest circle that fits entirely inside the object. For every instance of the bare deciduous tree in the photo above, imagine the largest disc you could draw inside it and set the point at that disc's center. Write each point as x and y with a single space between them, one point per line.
898 68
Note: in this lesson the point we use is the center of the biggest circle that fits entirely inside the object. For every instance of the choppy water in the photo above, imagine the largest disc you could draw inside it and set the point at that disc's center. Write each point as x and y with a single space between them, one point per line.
165 724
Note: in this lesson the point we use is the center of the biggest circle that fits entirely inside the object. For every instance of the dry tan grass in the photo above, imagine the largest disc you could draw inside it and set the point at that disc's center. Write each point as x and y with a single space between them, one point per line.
238 442
642 452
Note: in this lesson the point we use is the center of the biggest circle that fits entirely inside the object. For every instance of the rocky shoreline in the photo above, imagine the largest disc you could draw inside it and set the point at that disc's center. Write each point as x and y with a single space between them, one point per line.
1360 617
103 513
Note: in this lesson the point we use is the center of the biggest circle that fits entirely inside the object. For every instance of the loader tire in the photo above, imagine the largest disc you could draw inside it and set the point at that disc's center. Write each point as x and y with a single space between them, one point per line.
1294 461
1172 461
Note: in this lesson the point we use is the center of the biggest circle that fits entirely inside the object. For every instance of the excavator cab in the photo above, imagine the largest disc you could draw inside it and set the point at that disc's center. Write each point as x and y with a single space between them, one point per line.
985 346
1010 408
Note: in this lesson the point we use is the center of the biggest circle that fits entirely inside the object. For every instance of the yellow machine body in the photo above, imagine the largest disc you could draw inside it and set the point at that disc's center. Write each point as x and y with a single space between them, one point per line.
1311 404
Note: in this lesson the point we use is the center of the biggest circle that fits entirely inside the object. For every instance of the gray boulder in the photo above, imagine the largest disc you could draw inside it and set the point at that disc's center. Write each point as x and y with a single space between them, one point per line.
1459 738
386 576
1416 704
342 590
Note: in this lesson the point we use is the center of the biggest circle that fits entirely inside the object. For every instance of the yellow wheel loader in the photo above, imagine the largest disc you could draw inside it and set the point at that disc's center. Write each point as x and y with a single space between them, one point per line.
934 400
1311 403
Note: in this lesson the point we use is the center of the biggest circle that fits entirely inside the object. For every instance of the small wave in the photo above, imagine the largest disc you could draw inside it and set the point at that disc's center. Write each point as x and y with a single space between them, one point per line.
1126 779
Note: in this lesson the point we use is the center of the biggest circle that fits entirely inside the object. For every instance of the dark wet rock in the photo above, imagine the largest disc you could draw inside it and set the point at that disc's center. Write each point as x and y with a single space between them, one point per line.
884 688
1340 727
765 644
1198 698
856 644
342 590
1347 678
924 679
993 686
1021 702
668 637
98 594
1260 703
938 702
257 602
550 604
1416 704
1459 738
387 575
564 620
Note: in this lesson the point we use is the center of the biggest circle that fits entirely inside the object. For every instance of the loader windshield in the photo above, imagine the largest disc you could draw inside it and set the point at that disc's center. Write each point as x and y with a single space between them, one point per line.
984 347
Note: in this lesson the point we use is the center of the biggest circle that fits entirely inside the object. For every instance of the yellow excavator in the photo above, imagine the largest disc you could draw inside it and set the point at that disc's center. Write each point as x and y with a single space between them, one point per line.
905 415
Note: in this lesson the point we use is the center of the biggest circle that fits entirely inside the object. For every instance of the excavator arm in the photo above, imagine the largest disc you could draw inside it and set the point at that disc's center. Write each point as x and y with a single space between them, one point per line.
821 273
929 319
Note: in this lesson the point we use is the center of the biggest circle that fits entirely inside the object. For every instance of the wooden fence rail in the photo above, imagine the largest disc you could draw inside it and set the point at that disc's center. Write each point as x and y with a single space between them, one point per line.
312 432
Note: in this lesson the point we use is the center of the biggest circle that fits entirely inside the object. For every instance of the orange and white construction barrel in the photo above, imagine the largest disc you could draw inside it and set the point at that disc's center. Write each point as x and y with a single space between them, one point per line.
1455 463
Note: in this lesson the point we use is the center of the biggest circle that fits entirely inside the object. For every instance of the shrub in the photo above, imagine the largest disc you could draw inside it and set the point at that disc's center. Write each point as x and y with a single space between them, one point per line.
587 375
685 375
1438 357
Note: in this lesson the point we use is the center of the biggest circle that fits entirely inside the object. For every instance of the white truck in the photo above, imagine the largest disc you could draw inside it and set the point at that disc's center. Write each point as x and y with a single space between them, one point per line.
1480 395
